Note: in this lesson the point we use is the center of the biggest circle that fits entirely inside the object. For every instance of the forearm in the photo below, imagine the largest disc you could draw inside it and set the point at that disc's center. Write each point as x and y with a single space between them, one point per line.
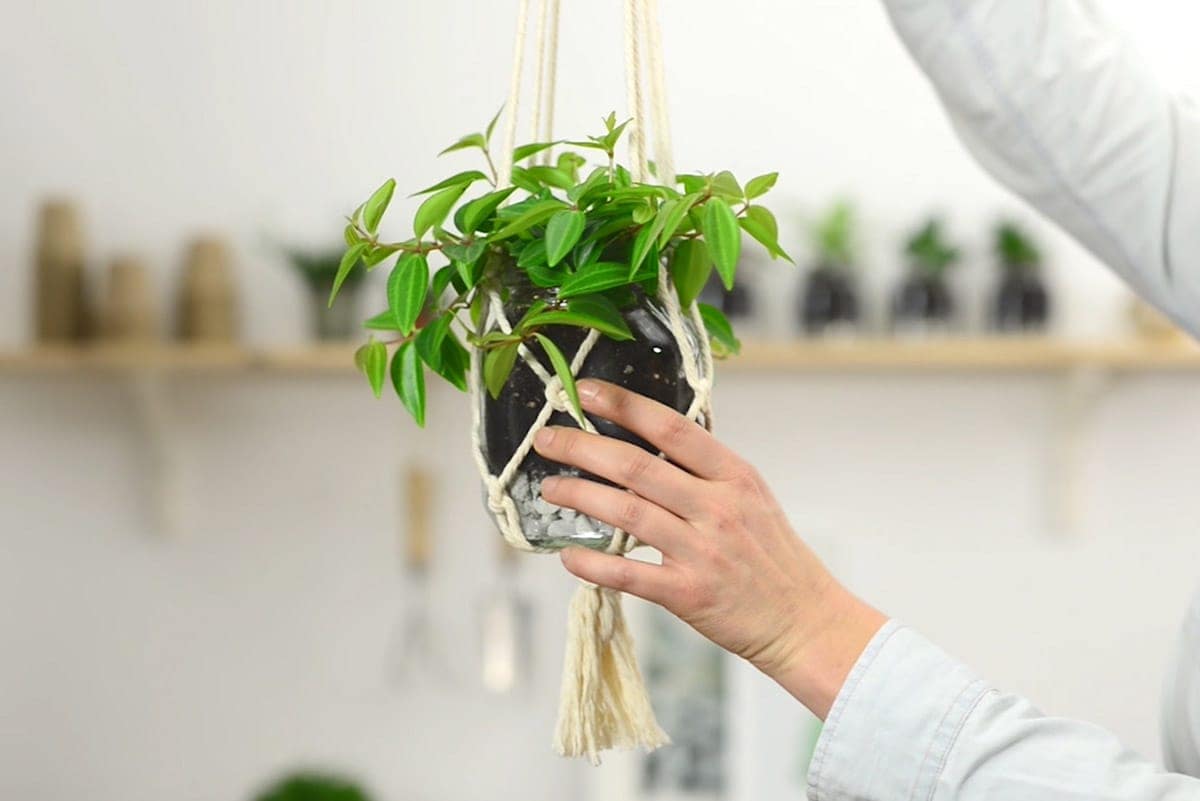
1056 106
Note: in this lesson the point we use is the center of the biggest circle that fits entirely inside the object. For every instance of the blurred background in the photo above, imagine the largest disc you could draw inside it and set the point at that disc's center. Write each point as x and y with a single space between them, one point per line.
238 566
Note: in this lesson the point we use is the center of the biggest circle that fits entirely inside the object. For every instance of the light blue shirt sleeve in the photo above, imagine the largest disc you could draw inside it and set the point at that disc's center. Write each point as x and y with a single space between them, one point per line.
913 724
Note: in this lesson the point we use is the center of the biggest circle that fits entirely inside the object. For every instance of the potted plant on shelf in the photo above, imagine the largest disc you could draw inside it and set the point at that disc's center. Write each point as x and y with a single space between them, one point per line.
829 300
564 259
310 786
924 304
319 269
1022 304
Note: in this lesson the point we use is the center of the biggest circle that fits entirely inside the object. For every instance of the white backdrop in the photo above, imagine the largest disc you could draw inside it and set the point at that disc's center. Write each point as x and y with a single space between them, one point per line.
140 669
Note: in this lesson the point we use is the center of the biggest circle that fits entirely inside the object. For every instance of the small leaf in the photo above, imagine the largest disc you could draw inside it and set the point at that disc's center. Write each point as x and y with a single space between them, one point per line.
436 208
492 125
760 223
563 370
690 268
588 311
349 260
641 248
757 187
441 280
373 363
351 235
597 278
673 213
532 149
719 328
693 184
725 185
456 360
470 140
550 176
643 213
408 379
375 207
537 214
498 366
469 177
384 321
480 209
429 341
724 237
406 288
562 234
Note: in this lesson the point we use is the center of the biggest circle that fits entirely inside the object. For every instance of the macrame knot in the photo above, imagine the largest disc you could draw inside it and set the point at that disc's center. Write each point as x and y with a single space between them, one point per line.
556 396
495 497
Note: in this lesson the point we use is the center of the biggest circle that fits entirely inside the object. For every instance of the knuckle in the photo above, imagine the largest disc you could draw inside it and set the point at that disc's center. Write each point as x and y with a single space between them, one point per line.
635 467
632 512
744 476
696 595
622 577
674 429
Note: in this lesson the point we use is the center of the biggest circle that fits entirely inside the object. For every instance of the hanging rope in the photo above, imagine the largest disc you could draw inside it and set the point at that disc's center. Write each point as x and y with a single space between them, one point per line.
604 703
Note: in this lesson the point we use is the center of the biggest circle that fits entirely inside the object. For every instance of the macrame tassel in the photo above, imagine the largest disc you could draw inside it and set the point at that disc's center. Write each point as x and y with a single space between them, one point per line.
604 703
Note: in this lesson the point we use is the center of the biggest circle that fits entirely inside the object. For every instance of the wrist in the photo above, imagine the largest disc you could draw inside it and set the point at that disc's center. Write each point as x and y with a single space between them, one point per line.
828 643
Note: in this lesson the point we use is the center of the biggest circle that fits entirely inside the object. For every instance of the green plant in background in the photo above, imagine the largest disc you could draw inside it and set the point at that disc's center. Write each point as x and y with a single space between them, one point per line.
319 269
930 253
1015 251
834 237
594 236
306 786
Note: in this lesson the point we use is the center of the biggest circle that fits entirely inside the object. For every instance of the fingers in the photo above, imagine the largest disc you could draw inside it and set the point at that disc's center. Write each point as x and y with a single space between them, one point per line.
651 524
683 441
651 582
627 465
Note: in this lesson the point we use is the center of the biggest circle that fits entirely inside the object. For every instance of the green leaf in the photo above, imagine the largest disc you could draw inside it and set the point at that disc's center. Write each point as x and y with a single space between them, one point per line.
587 311
521 179
598 179
550 176
597 278
760 223
372 359
641 248
441 280
492 125
384 321
456 360
563 370
498 365
693 184
469 177
543 276
436 208
643 213
726 186
672 214
406 288
349 260
691 266
757 187
374 208
351 235
724 237
408 378
719 328
429 341
468 141
535 215
480 209
532 149
562 233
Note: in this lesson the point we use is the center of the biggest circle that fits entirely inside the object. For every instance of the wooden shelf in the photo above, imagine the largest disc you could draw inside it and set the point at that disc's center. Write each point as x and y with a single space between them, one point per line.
948 355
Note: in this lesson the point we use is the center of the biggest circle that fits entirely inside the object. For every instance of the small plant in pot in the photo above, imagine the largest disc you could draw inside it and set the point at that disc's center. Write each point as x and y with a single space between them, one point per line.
924 304
829 299
337 321
1022 304
557 274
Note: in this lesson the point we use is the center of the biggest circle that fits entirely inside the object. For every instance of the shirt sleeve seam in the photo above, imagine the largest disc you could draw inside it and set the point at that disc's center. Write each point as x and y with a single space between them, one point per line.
973 693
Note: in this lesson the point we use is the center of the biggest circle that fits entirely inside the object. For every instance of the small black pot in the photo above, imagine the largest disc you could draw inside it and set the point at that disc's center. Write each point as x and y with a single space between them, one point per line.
922 304
738 304
1022 304
828 302
650 364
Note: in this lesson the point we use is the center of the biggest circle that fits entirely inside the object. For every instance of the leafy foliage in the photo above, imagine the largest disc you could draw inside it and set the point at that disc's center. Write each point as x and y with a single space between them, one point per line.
929 251
1015 250
312 787
590 238
834 236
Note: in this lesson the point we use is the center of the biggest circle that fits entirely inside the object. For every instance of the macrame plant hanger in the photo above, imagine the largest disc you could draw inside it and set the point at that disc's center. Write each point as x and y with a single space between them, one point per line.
603 702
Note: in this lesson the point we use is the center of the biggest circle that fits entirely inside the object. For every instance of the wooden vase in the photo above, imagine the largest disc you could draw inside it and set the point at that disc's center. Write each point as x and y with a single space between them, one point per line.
61 314
208 298
130 311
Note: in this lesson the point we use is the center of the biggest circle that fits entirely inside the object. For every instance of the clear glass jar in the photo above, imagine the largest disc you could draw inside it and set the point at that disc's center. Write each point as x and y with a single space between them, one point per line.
650 364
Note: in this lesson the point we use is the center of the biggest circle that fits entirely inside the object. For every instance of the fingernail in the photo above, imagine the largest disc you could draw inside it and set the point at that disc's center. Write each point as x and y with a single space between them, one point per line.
588 390
544 438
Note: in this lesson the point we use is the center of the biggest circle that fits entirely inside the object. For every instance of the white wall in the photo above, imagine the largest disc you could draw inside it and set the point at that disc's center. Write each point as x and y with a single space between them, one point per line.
135 668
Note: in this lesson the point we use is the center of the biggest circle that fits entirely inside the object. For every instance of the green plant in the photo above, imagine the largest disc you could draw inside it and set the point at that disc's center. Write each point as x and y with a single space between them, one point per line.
929 252
595 237
312 787
834 237
1014 250
319 269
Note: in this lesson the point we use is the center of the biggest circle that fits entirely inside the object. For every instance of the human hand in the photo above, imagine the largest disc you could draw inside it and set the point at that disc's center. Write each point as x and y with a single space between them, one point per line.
732 566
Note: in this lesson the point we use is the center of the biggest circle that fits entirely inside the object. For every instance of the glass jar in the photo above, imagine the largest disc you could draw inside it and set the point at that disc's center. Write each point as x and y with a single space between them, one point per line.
650 364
